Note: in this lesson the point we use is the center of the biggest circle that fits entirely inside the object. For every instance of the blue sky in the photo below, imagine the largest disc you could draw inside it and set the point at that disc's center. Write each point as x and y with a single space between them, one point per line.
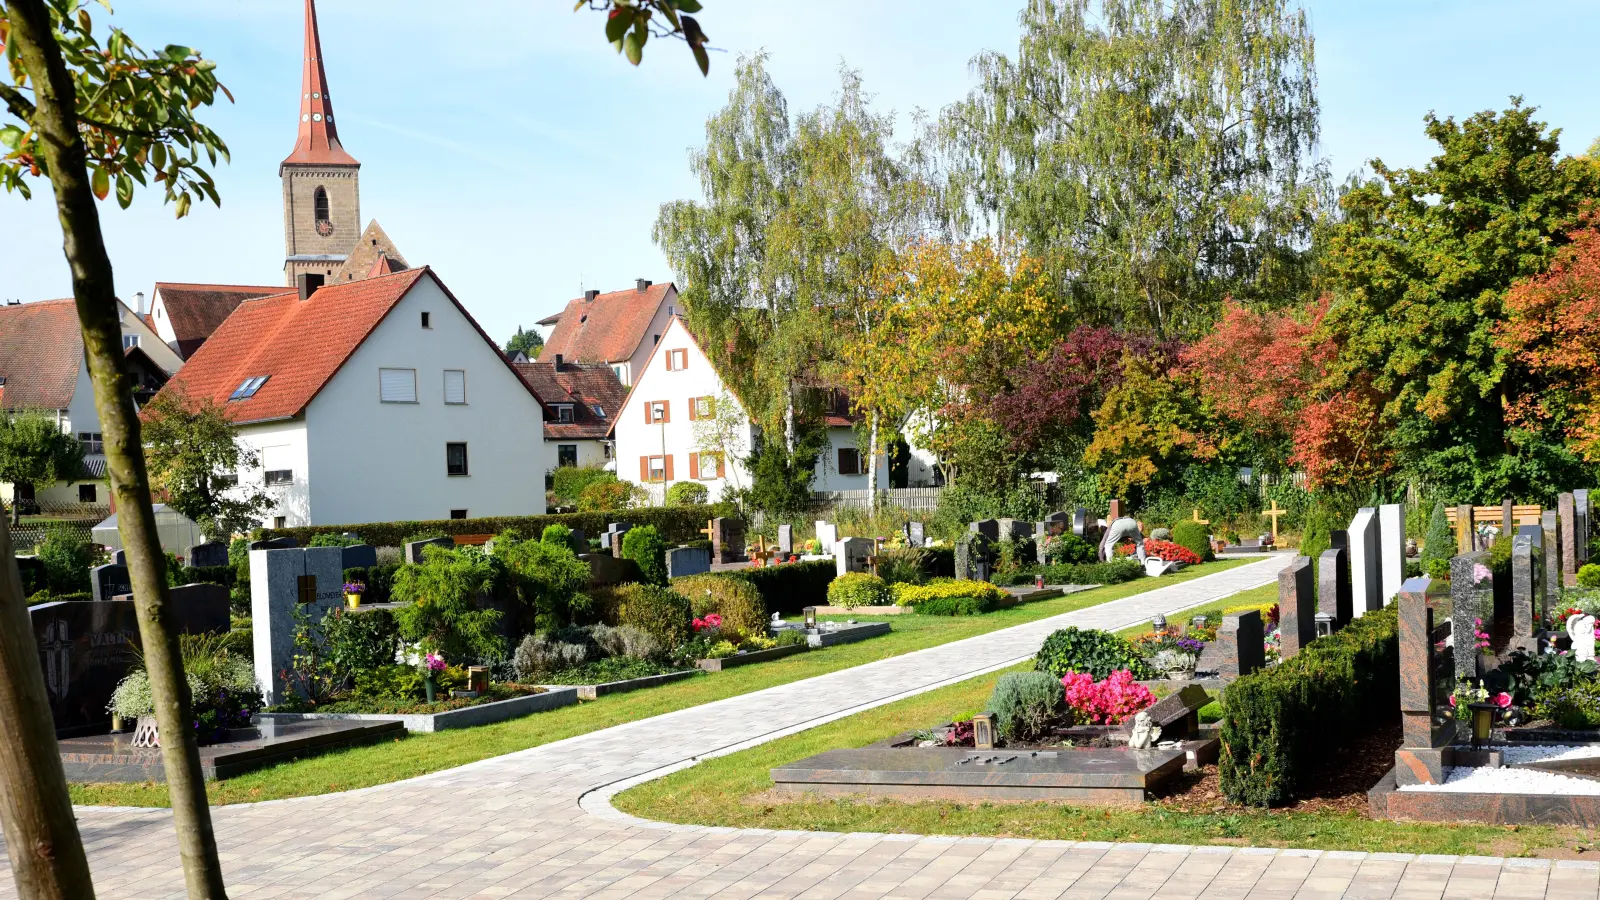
513 151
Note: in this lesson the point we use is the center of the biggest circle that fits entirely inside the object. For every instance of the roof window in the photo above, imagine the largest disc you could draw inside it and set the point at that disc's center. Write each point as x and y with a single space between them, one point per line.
248 389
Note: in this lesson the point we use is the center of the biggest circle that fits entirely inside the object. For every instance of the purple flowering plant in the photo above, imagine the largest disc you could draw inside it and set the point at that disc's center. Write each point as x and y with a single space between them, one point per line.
433 663
355 587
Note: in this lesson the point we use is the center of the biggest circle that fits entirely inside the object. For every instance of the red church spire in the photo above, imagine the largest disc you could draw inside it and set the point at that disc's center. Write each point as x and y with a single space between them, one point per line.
318 142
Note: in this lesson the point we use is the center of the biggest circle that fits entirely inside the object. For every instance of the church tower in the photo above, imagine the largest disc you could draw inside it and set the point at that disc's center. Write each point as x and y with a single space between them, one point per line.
321 182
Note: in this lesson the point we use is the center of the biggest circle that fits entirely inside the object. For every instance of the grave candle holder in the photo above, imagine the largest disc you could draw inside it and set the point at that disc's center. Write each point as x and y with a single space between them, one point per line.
1038 582
983 731
811 618
1482 723
1159 623
478 679
1324 624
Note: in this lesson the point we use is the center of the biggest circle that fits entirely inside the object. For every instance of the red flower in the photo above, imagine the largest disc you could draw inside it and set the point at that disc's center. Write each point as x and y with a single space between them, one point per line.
1171 552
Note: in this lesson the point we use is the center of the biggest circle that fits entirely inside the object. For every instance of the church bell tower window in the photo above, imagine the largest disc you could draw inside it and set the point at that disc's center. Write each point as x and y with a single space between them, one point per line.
319 204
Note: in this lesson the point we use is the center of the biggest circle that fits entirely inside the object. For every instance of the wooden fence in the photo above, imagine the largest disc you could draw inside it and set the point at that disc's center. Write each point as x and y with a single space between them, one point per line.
909 499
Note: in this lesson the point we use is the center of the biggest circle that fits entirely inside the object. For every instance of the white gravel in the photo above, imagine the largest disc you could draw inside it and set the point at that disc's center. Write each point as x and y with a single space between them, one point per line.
1507 780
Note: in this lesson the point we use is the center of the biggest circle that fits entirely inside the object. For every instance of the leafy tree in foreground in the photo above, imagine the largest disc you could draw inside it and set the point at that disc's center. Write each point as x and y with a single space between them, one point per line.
630 23
34 450
194 454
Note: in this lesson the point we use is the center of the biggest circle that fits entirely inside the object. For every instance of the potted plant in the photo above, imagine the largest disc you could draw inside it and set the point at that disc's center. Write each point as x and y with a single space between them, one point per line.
432 665
353 592
1177 665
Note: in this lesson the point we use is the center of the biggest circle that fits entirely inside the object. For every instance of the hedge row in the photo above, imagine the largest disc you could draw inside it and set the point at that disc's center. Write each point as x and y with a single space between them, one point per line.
790 588
1281 724
676 524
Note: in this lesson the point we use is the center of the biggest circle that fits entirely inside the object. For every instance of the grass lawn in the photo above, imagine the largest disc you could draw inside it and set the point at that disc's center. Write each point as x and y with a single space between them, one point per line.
736 791
1267 593
423 753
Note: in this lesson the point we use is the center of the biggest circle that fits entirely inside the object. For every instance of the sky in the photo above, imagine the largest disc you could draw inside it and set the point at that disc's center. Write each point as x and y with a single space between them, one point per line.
511 149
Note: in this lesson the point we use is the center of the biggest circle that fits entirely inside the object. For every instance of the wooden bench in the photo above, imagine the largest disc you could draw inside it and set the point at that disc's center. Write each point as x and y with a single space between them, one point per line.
1521 514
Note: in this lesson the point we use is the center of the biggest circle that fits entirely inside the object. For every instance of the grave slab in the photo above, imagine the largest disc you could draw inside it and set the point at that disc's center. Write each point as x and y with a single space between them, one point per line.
683 561
111 757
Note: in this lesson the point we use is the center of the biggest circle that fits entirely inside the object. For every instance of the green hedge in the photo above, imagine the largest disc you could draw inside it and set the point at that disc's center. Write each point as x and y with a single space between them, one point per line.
1280 725
680 523
1115 572
790 588
224 575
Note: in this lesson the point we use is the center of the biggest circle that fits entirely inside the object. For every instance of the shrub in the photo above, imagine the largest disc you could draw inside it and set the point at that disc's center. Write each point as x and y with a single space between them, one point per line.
625 640
687 493
546 580
854 589
1172 552
903 565
1091 652
918 594
680 523
568 482
67 556
559 535
539 655
791 587
1193 537
954 606
1115 572
1023 704
605 496
329 539
1589 575
360 641
1440 541
659 612
738 602
442 596
1437 569
1069 548
1281 724
643 545
1108 702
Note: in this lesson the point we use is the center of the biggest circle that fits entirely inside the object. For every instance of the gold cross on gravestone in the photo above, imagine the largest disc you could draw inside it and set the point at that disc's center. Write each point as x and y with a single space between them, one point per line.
1274 512
763 552
1198 519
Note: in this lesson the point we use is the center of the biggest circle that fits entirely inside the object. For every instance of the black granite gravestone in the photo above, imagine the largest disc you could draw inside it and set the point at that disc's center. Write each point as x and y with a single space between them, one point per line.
211 553
108 581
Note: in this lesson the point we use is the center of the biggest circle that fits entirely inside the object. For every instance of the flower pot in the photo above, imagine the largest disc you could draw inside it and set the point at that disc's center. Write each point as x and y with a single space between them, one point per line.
352 600
1183 674
429 686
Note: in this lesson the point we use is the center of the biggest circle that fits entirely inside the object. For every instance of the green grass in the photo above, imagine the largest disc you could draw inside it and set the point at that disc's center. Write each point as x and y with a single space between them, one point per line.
736 791
1267 593
423 753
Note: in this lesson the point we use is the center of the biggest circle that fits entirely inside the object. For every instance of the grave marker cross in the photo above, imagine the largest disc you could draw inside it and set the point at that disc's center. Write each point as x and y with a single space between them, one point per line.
763 553
710 529
1197 518
1274 512
873 558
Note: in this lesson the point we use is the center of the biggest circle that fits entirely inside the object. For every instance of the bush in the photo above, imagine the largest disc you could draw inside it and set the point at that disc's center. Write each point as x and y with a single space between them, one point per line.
854 589
1437 569
559 535
1109 702
546 580
328 539
1194 537
605 496
626 641
687 493
680 523
1589 576
1069 548
918 594
1280 725
954 606
1115 572
1091 652
1440 541
738 602
67 556
643 545
568 482
360 641
660 612
540 655
903 565
1024 704
1171 551
442 596
791 587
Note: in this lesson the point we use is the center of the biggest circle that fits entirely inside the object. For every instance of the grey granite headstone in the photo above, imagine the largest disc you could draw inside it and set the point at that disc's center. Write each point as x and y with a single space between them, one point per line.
280 582
688 561
1333 586
413 549
1469 602
1391 550
1081 522
1549 523
109 580
1527 608
119 557
362 556
852 555
1297 613
827 536
211 553
972 557
1243 644
989 528
611 538
785 539
1366 578
916 534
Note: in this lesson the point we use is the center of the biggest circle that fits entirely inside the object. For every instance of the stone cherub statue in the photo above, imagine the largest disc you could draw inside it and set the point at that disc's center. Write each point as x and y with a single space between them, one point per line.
1145 733
1581 630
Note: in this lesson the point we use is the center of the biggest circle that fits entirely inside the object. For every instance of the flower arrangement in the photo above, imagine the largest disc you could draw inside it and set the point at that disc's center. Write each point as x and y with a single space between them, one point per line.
710 620
1171 552
1467 693
433 664
1106 702
1481 636
355 587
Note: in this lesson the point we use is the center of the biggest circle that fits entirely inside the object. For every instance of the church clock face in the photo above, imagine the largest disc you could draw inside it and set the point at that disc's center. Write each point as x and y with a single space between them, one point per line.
324 227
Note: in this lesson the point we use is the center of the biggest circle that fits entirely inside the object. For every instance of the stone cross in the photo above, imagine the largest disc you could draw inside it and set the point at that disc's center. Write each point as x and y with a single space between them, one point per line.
1391 550
1243 647
1274 513
1527 571
1366 578
1297 622
1333 582
1469 601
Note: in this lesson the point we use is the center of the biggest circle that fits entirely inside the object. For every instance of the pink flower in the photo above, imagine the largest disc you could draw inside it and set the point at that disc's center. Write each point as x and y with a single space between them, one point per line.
714 620
1502 700
433 662
1452 699
1107 702
1480 573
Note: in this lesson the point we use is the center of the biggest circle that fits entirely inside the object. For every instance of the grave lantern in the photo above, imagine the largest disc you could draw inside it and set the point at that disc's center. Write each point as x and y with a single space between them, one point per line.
1038 582
983 731
811 618
1482 722
478 678
1159 623
1324 624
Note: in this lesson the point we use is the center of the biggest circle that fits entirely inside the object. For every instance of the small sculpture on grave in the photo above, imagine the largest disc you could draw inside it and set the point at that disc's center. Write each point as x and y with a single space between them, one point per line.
1581 630
1145 733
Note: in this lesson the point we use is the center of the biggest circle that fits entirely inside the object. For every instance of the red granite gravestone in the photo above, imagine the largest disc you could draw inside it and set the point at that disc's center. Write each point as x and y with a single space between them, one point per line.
1242 642
1566 508
1297 614
1424 669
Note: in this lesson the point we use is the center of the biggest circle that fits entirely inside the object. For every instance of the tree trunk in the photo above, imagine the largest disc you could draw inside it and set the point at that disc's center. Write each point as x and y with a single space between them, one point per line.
47 859
872 468
55 120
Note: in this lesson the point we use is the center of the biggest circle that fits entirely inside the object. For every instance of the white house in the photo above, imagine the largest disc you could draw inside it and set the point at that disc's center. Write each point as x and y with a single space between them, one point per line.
373 400
184 315
680 422
619 329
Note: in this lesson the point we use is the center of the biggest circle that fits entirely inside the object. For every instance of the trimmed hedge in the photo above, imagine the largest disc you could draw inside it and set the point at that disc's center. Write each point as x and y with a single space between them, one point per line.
1193 537
1115 572
986 594
223 575
1280 725
679 523
789 588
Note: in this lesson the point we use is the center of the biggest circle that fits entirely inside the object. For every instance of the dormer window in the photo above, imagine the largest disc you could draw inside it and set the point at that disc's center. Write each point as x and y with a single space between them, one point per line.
564 413
248 389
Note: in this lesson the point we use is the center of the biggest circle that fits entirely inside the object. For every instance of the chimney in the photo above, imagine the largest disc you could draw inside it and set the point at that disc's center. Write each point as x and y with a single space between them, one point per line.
641 284
138 303
308 284
558 362
590 295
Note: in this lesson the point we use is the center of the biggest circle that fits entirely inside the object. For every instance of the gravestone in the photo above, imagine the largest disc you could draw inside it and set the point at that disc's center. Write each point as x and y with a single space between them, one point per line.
1366 580
785 539
1081 523
1057 524
1580 509
1470 602
727 541
688 561
1391 550
282 581
972 557
1527 608
916 534
578 540
606 569
1016 529
365 556
1333 583
851 555
1177 714
1566 505
611 538
107 581
1115 511
278 543
32 571
989 528
197 608
1424 673
1466 529
119 557
1508 516
827 536
1297 613
1339 537
413 549
210 553
1242 640
1549 523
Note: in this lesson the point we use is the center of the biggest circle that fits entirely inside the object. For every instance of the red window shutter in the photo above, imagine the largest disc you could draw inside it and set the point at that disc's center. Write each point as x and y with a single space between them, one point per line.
719 465
669 467
644 468
694 466
692 403
666 412
648 406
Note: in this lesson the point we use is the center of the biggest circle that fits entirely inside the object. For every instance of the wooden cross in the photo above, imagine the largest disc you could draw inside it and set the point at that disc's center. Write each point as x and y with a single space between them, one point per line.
1274 512
872 558
763 552
1198 519
710 530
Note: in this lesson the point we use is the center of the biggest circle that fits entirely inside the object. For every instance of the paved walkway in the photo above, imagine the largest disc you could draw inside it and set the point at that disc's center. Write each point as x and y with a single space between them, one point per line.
537 823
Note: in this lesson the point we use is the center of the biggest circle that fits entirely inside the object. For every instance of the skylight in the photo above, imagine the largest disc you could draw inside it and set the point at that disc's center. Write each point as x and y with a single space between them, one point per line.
248 389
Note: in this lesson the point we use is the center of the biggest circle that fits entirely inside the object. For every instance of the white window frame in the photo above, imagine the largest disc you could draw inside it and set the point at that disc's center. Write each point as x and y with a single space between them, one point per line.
707 455
654 477
382 394
657 418
463 374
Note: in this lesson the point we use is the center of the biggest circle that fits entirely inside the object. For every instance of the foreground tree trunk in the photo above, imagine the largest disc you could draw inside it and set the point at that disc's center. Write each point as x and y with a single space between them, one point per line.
55 120
872 468
47 859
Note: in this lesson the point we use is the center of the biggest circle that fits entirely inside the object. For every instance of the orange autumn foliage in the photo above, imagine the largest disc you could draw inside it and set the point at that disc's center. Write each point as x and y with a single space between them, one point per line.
1552 328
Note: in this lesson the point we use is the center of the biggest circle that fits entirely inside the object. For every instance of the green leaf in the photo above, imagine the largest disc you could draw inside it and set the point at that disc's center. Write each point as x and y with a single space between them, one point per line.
617 24
11 136
633 48
701 58
183 205
124 190
688 6
158 155
100 182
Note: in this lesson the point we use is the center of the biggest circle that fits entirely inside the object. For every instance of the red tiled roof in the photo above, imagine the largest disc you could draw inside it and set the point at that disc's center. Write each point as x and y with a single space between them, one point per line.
41 350
385 265
608 328
585 386
196 310
318 140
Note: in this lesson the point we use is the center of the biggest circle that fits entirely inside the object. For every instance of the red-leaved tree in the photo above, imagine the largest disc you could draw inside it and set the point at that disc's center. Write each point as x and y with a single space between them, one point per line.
1048 403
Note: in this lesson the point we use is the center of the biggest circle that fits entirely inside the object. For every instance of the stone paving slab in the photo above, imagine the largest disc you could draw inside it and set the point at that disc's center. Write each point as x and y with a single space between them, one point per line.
538 823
